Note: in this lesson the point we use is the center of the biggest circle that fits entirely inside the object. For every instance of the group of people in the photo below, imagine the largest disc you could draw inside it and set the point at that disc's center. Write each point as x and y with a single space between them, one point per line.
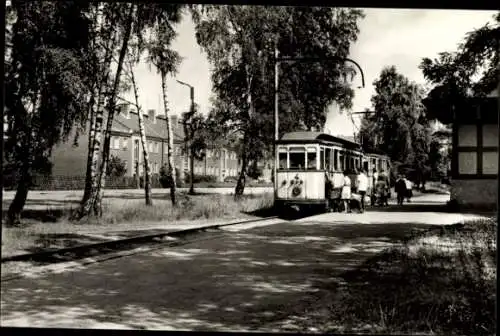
403 189
354 195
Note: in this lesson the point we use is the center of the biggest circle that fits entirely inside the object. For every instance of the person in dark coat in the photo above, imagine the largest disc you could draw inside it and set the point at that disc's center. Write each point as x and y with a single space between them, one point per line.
381 191
400 189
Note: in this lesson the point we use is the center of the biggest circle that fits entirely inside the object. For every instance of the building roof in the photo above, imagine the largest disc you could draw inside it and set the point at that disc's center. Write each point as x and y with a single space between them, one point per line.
156 129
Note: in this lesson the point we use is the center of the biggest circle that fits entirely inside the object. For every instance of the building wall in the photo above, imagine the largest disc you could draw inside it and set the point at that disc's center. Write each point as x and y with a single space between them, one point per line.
70 160
475 192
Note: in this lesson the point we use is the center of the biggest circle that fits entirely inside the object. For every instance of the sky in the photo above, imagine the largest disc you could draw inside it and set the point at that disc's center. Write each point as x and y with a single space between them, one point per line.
399 37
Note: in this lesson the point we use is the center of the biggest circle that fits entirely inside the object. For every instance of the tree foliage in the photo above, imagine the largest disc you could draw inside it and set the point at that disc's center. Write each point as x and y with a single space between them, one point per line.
240 42
399 126
472 70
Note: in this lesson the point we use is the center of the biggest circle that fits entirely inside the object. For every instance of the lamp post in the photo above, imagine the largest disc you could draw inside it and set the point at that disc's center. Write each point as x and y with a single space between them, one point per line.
277 61
186 123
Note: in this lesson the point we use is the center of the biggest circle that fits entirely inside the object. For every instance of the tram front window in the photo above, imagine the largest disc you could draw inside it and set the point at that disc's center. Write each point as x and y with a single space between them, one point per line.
282 160
297 160
311 161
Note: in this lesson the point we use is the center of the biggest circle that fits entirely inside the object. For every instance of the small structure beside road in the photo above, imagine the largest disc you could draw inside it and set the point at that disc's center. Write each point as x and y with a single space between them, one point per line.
474 164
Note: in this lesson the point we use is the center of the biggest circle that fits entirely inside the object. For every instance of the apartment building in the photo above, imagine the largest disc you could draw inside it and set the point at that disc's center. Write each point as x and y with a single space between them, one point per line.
70 159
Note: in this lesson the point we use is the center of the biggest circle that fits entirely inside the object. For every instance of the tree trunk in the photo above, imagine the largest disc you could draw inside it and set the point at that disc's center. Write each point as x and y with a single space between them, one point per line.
140 118
147 167
137 177
90 154
89 198
17 205
170 143
240 185
191 167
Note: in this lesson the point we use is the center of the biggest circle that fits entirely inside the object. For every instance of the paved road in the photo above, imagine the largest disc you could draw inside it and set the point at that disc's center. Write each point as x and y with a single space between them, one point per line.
261 278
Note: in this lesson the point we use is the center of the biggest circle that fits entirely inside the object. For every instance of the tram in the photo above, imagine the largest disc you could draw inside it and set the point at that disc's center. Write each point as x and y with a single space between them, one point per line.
303 158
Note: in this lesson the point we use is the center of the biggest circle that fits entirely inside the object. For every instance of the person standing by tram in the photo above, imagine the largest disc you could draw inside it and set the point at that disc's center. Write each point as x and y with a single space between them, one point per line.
374 182
346 191
362 186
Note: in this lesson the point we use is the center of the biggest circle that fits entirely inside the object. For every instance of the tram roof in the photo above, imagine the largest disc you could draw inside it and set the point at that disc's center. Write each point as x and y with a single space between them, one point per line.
315 137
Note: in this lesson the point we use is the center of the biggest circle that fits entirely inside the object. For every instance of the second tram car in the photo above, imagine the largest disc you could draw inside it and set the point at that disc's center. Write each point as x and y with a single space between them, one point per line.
303 158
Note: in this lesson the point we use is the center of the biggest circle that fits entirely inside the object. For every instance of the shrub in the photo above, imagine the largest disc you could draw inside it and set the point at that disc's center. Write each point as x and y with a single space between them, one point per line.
231 179
201 178
116 167
164 179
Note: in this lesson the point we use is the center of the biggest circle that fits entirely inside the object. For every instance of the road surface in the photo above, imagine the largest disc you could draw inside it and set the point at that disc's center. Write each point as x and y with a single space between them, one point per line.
259 279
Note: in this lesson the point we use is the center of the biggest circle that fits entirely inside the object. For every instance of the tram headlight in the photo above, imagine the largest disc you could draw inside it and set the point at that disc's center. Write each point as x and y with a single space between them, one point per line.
296 191
284 182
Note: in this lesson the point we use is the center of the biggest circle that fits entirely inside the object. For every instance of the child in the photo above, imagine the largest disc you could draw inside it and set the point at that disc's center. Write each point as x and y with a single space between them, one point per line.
355 202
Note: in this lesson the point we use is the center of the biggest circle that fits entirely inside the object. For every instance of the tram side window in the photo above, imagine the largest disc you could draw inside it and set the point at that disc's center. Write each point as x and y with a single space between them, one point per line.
336 160
282 160
328 159
297 160
322 159
341 163
311 161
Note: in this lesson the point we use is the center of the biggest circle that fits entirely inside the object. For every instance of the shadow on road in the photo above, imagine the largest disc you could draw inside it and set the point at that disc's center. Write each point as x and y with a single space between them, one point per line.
413 207
242 281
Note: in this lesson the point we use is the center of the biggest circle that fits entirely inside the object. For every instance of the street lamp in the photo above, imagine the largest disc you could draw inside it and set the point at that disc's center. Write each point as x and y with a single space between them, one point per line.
186 123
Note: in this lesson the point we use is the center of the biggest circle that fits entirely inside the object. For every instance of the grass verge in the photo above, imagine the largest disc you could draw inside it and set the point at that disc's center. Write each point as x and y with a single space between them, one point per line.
128 214
443 281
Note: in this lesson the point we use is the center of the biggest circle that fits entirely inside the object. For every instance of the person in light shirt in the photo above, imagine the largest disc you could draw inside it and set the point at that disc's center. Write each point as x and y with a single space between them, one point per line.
362 186
409 187
345 195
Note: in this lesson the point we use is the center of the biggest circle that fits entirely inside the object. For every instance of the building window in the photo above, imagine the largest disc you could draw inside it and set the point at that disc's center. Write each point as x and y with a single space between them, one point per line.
490 135
467 163
490 163
116 142
125 143
467 135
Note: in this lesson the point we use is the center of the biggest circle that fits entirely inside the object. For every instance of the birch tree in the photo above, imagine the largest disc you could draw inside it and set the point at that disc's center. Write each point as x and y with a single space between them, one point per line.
44 85
166 61
142 132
